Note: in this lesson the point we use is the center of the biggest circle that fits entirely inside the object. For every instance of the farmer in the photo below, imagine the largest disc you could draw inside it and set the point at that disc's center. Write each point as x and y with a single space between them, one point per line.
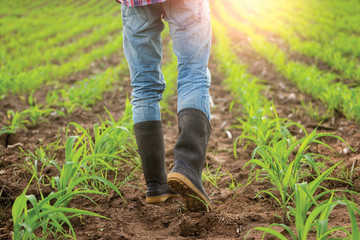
190 30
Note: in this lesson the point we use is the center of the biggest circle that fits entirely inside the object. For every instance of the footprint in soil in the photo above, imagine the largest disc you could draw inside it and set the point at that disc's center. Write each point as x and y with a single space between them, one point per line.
188 229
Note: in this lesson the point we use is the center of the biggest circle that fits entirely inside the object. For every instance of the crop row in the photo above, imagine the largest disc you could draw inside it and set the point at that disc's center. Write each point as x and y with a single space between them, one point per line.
308 79
31 80
296 32
283 160
35 42
340 15
58 59
29 27
302 18
59 54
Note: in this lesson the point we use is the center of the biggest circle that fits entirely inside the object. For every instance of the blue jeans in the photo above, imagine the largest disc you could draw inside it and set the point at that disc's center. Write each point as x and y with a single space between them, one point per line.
190 30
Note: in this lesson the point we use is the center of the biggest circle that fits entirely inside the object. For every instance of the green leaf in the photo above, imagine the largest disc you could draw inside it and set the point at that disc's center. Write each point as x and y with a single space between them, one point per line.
272 232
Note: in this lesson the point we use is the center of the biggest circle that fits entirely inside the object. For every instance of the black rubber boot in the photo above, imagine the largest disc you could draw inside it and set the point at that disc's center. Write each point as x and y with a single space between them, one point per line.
150 141
190 150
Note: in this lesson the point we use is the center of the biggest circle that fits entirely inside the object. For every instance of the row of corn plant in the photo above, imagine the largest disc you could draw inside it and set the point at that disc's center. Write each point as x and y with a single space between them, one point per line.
88 160
282 159
323 51
341 16
14 63
16 21
59 54
28 81
65 100
308 79
322 24
87 92
28 118
14 49
314 20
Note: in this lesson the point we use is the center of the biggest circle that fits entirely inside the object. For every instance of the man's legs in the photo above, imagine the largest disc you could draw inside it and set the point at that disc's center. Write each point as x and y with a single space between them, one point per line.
143 50
190 29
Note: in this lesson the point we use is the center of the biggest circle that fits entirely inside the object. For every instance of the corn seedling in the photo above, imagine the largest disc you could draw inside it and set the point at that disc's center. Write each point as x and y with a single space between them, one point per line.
47 215
283 172
111 145
76 176
313 111
75 172
212 175
234 184
264 130
18 122
317 219
35 164
349 175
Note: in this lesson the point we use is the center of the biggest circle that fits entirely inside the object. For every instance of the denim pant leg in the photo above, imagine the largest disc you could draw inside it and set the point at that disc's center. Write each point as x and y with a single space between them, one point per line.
190 29
143 51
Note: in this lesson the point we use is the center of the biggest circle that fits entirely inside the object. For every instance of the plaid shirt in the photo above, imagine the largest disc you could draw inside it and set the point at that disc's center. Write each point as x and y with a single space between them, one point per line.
137 3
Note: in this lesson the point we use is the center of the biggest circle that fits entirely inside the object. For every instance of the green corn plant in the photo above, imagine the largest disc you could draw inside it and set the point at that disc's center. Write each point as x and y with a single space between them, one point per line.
50 213
86 92
47 215
234 184
317 219
75 172
283 172
35 163
314 113
115 139
24 82
353 209
266 129
36 113
111 145
212 175
18 121
349 175
60 53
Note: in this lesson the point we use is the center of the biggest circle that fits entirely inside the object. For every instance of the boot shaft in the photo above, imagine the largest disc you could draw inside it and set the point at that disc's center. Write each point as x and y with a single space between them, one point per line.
194 133
150 141
190 150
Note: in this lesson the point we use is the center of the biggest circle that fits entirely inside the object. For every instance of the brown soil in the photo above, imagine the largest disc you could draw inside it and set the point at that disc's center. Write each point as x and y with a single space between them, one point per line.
236 213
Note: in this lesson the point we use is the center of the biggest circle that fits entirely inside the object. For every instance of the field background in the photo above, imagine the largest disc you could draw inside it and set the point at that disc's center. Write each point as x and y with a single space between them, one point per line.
285 92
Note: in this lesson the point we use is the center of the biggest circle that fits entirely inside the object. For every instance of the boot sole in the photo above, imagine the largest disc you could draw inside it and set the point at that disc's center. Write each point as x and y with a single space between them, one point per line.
194 200
161 199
